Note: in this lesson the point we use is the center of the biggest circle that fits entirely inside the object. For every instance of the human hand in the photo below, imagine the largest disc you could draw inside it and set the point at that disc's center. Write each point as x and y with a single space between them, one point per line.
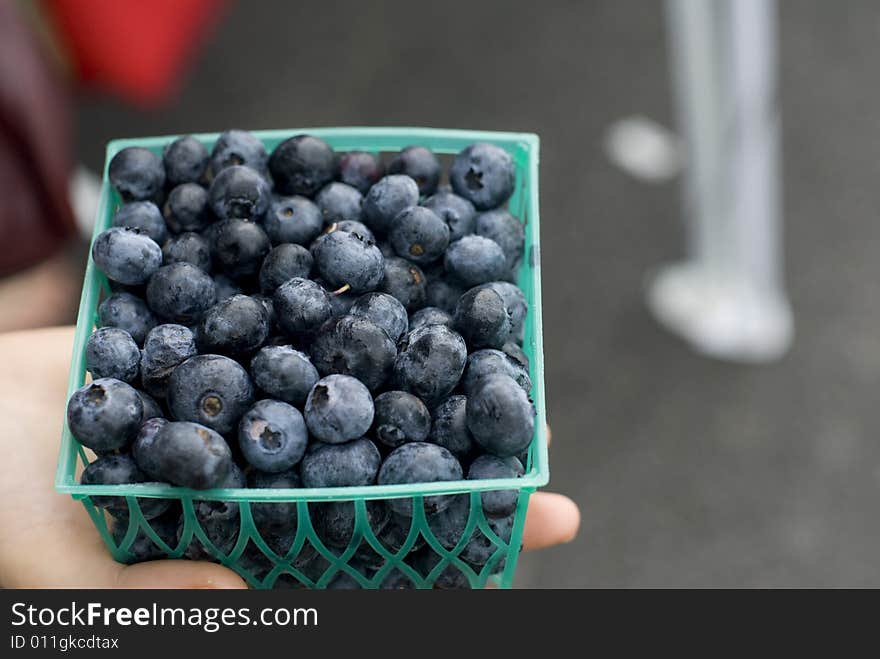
48 540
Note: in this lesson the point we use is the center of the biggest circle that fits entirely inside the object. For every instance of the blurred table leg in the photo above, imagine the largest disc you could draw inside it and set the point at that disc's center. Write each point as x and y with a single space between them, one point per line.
727 299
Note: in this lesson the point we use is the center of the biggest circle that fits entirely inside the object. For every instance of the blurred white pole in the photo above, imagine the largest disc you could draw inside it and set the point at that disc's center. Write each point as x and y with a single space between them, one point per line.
728 298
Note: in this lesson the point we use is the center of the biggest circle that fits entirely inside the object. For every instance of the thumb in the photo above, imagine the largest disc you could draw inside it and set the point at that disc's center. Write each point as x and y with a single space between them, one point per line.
177 574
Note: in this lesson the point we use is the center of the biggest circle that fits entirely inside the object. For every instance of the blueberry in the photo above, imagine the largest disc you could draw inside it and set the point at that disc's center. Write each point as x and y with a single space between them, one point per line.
515 352
191 455
284 262
386 199
395 533
236 326
383 310
307 560
219 520
302 165
450 578
284 373
405 281
138 290
443 294
420 164
339 202
143 215
236 478
365 558
360 170
293 220
497 503
386 248
316 568
166 347
419 462
340 300
352 345
238 147
517 307
278 537
458 213
396 580
112 353
137 174
210 389
150 507
239 247
226 288
430 362
483 363
353 226
481 318
506 230
127 312
434 270
188 247
343 581
483 174
334 521
418 235
142 548
209 231
475 260
349 259
186 208
341 465
449 428
112 470
429 316
449 526
311 568
185 160
269 307
126 256
500 416
152 409
301 306
180 292
106 414
239 193
339 408
272 436
400 417
276 518
142 448
220 523
480 549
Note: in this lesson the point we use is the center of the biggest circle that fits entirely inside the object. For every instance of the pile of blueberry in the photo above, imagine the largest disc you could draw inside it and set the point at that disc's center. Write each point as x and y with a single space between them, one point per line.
309 319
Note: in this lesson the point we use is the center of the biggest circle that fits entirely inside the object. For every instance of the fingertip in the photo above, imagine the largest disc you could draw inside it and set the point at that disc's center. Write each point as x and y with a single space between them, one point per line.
552 519
176 574
570 515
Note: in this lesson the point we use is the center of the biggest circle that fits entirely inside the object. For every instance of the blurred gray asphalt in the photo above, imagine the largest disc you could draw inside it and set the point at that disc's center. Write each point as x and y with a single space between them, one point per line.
688 471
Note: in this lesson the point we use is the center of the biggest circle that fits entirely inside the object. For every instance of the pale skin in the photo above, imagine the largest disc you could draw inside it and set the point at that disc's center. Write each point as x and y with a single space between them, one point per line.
48 541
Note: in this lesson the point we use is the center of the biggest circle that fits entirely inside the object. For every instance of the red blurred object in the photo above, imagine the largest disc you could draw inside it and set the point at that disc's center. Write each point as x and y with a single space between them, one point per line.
35 216
134 48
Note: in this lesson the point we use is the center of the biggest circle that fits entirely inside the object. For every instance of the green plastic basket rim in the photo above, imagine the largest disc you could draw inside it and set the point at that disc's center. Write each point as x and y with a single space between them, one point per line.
524 147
